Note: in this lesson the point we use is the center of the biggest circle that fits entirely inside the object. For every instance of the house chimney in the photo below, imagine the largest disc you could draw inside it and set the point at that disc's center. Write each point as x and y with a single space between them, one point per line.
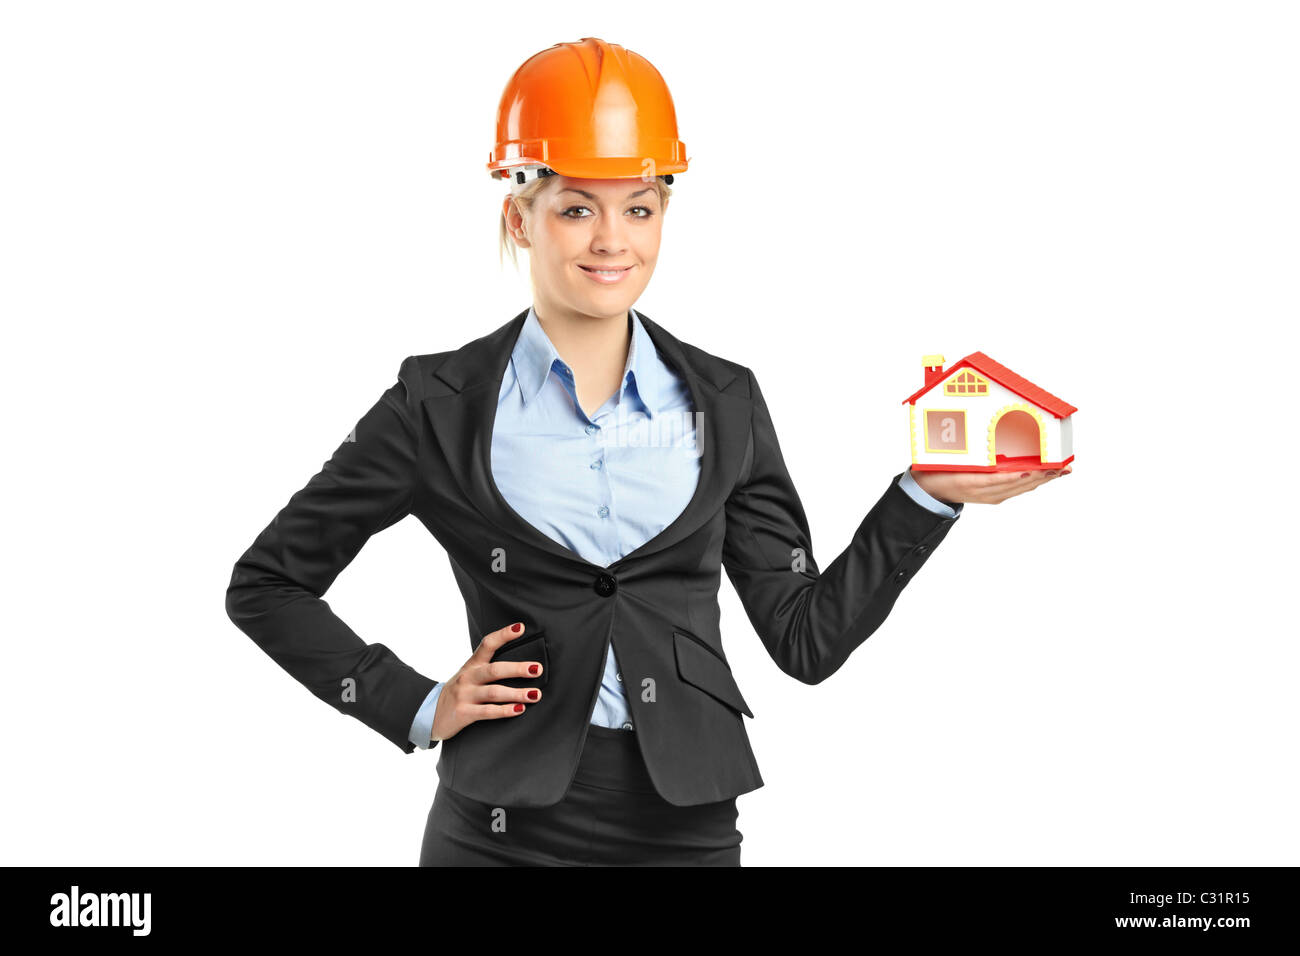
933 368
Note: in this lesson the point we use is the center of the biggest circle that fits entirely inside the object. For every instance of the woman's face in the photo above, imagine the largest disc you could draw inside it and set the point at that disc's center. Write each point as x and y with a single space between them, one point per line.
593 243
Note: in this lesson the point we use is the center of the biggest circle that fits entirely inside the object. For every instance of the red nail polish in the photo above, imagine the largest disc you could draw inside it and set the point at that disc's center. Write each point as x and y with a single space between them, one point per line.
518 708
532 695
516 627
532 669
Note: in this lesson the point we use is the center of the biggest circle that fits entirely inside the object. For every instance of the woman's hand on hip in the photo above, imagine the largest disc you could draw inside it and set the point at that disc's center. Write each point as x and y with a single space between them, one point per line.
982 487
471 695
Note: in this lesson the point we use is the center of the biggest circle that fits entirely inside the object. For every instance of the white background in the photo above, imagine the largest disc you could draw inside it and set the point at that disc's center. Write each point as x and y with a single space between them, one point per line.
224 225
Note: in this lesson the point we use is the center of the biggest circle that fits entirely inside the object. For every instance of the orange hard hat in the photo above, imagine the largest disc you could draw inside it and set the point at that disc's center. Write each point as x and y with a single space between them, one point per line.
591 110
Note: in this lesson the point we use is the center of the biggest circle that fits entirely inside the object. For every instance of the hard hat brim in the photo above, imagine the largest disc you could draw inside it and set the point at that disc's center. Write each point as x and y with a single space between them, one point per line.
604 167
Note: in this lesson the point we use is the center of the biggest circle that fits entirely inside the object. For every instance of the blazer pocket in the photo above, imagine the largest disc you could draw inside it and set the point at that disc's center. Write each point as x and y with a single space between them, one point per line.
530 647
700 666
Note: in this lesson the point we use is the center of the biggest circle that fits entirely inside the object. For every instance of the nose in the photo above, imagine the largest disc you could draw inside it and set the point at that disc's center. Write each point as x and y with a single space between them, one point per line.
609 238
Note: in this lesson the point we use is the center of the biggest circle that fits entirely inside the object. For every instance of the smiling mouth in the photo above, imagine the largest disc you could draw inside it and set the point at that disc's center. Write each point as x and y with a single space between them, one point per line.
606 276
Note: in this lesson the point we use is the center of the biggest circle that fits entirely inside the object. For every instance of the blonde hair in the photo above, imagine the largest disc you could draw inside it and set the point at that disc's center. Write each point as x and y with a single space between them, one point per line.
528 195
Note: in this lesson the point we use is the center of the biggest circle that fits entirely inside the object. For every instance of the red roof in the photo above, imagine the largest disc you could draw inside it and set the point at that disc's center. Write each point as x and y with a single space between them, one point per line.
1007 379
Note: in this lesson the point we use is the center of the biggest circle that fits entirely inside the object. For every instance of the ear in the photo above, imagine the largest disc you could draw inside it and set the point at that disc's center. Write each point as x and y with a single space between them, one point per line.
514 222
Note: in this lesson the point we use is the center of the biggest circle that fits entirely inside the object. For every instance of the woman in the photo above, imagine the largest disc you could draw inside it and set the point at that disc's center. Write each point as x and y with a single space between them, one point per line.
589 475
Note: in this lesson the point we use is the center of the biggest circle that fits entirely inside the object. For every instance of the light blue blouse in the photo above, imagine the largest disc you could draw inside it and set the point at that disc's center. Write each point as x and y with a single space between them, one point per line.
601 485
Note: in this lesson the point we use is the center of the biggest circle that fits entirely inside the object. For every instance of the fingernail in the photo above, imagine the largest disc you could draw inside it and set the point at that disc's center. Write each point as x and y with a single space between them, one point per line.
516 628
1024 474
534 669
1053 472
518 708
532 695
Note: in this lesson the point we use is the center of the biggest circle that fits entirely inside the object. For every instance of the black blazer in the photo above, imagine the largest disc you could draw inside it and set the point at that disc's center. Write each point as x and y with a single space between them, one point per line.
424 449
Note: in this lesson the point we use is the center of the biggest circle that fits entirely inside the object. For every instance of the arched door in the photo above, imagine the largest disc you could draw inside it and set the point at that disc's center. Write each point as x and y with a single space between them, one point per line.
1017 437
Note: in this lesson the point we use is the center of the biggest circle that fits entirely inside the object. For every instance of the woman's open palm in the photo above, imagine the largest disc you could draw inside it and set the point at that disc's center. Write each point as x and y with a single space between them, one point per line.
982 487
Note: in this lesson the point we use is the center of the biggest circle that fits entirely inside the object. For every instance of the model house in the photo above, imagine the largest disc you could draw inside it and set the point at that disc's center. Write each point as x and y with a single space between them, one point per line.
981 416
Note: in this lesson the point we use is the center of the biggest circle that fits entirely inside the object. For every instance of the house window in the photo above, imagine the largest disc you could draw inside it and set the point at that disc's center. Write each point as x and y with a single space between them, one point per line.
966 382
945 429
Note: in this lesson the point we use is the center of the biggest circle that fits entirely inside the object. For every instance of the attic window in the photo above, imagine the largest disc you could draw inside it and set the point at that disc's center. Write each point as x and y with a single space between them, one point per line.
966 382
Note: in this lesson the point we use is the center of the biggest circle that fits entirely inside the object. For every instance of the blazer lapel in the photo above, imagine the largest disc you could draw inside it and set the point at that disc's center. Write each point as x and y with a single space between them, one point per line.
461 401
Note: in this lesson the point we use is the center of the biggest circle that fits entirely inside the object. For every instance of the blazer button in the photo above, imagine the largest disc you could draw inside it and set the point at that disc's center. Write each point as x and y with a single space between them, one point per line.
605 585
922 548
898 578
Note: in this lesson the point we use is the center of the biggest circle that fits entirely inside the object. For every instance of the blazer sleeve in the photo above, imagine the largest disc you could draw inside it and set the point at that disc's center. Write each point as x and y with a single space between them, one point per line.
276 590
810 621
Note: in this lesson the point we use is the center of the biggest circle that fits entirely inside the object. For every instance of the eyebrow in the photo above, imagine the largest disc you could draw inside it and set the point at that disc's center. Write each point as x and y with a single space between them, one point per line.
590 196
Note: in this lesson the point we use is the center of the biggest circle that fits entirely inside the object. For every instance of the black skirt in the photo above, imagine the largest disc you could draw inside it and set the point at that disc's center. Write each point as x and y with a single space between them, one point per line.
610 816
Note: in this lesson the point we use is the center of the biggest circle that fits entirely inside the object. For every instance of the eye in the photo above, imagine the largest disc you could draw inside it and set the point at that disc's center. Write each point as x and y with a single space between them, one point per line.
646 212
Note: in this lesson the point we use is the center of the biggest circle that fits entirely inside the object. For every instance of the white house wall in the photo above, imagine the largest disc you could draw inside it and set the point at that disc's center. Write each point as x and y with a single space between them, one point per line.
979 410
